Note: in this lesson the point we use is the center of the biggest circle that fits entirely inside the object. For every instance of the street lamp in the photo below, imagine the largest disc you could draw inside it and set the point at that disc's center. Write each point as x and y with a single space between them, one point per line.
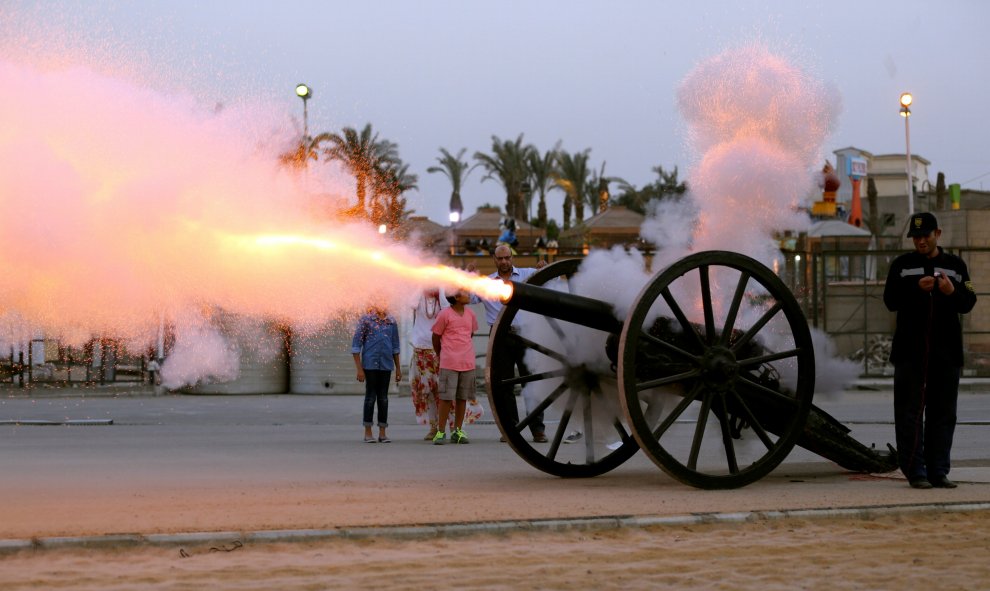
305 93
906 100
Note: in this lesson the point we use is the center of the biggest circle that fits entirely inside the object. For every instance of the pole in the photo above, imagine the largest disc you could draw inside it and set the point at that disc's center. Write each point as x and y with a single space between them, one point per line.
907 144
305 119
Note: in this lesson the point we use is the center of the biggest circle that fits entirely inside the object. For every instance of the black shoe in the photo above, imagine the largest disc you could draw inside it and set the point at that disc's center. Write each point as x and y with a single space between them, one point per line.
539 438
920 483
943 482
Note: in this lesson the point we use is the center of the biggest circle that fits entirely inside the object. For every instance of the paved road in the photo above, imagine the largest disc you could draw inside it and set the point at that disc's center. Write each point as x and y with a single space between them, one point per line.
209 463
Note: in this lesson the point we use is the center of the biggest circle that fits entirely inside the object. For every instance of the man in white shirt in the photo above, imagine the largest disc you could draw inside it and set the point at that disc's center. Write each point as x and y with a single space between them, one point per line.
506 271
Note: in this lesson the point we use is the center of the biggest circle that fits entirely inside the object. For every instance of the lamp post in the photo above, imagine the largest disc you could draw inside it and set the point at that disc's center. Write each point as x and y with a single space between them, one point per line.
305 93
906 100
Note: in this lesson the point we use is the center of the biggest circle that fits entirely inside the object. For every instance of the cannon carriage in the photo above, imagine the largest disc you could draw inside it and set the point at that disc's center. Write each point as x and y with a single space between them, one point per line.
710 372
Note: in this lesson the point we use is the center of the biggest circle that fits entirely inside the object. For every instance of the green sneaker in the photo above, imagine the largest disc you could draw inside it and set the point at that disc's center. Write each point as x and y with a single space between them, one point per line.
459 436
440 438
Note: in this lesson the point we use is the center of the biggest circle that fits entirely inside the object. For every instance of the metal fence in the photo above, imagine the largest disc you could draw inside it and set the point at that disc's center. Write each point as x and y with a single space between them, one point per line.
841 292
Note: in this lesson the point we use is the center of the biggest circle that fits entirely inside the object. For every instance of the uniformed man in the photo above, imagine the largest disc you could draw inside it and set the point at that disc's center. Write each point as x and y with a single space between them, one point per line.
928 288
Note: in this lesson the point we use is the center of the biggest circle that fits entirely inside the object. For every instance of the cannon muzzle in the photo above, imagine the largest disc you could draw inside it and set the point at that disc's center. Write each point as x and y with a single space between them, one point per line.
564 306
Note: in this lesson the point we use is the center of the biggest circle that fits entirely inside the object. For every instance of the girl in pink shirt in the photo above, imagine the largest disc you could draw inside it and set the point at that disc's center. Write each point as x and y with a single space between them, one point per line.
452 340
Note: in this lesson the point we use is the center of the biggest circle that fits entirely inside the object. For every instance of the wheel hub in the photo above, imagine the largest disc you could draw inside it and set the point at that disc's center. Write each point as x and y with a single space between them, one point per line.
719 368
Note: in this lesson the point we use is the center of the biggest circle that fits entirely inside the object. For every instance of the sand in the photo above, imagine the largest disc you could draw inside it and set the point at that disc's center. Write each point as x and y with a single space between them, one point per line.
899 551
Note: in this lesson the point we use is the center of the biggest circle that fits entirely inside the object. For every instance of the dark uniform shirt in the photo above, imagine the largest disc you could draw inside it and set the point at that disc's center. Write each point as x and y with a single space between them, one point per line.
928 321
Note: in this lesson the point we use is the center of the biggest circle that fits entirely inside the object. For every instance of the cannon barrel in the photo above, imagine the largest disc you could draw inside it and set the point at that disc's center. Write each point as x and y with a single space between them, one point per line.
565 306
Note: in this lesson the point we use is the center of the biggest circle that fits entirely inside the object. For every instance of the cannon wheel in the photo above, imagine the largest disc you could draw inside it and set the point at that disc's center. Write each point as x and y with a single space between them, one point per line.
720 371
577 389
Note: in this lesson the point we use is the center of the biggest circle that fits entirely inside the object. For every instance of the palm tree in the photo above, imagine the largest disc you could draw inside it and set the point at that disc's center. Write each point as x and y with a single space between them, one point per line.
541 172
299 156
596 191
665 187
508 164
571 176
457 172
388 206
361 153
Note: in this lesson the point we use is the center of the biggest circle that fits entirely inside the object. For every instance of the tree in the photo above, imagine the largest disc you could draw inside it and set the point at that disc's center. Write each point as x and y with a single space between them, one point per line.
361 153
571 176
665 187
873 219
940 192
299 156
388 206
456 171
596 191
541 172
508 164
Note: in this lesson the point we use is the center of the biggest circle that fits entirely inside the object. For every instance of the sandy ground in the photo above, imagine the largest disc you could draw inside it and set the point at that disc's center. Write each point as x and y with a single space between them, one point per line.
941 550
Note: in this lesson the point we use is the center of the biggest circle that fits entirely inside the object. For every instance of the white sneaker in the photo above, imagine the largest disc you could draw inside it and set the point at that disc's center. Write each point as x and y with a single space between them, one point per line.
573 437
615 445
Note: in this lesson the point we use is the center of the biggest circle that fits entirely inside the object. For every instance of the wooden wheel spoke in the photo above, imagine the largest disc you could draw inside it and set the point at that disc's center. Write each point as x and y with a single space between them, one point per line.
699 430
753 330
730 317
730 450
706 302
565 418
550 399
768 392
676 412
753 421
652 340
589 431
680 377
686 325
542 349
555 327
535 377
751 361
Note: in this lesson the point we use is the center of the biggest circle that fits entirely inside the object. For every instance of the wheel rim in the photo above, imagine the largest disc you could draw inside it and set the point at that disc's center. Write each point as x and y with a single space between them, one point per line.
572 397
720 402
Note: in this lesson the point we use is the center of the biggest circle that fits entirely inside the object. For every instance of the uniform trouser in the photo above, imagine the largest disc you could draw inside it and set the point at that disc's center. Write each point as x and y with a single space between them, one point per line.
514 360
924 418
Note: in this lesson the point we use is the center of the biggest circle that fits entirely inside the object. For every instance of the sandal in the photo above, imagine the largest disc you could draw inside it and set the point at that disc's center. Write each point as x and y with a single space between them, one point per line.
369 439
384 440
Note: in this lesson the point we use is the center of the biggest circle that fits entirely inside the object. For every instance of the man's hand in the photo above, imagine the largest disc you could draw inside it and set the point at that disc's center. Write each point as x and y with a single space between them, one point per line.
541 263
398 374
471 268
945 285
926 283
360 374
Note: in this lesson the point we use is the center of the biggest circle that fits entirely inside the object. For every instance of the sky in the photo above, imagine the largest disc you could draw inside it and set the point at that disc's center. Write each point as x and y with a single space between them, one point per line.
599 75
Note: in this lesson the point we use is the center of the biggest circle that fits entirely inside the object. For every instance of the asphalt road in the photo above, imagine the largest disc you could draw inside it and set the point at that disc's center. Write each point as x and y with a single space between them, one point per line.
212 463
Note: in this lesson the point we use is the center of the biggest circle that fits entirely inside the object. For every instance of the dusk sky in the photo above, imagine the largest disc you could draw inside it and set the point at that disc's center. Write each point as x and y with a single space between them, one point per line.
600 75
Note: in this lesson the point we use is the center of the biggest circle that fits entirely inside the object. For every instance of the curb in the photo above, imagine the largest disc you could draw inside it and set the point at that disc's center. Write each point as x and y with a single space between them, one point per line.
492 527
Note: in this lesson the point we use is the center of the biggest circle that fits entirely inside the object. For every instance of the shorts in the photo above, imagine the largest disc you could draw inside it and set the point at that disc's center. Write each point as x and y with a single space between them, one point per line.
459 385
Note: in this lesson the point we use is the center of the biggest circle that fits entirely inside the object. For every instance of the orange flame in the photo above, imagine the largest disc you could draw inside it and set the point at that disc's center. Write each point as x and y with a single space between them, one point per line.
484 287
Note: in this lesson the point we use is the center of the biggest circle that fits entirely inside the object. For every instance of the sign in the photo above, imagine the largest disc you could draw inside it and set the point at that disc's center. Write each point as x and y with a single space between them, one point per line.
856 168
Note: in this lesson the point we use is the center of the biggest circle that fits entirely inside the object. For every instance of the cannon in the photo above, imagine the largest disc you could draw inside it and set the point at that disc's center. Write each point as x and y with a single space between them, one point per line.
711 373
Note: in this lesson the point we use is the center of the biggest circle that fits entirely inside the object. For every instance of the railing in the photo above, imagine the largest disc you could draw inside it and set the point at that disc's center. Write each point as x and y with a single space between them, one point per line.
842 294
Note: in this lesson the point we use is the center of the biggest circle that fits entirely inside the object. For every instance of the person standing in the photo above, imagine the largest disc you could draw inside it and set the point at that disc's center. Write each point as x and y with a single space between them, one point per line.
928 288
375 347
452 341
506 271
424 367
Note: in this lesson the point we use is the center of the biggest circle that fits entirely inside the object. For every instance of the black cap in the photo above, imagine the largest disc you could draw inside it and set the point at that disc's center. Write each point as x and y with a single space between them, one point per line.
922 224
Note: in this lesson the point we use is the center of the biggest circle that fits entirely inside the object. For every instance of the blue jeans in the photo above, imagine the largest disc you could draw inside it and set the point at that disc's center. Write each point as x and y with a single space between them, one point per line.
376 390
924 419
